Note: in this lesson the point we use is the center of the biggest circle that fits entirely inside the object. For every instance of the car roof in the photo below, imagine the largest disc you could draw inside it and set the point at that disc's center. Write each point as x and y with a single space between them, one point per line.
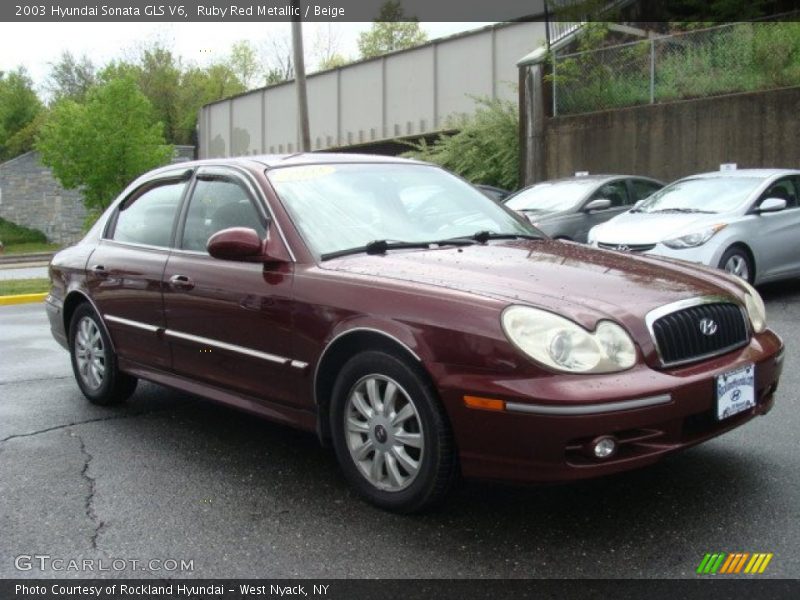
758 173
594 177
300 158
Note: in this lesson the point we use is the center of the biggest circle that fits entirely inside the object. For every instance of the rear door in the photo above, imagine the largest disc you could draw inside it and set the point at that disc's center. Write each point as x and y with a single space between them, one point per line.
124 273
229 323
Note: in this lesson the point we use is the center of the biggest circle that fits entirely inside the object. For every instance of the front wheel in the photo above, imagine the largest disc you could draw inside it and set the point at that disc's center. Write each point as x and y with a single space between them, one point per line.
391 436
737 262
94 362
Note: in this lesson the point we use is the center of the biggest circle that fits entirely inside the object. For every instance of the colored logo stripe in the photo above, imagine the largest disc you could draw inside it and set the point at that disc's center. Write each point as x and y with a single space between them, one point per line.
733 563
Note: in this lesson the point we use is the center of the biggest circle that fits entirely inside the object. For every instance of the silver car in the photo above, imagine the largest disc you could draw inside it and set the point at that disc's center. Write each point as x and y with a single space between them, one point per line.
746 222
566 209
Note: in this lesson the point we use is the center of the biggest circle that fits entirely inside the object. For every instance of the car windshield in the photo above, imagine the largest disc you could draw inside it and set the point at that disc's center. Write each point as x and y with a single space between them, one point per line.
338 207
551 197
701 195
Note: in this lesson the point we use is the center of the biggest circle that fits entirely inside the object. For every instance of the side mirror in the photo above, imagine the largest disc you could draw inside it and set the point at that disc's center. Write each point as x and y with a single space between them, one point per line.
598 204
771 205
235 243
639 203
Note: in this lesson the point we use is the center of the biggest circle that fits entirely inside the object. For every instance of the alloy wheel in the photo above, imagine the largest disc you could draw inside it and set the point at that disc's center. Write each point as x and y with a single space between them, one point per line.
90 353
737 265
384 432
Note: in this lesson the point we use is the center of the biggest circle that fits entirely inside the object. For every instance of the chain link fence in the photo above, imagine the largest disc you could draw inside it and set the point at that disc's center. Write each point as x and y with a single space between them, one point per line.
736 57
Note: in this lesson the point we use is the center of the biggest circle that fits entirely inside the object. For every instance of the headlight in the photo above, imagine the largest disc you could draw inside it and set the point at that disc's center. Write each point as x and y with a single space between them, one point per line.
755 308
695 239
560 344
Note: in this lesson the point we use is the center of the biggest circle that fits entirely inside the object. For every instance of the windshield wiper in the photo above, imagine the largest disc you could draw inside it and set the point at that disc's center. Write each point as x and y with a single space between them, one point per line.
484 236
382 246
683 210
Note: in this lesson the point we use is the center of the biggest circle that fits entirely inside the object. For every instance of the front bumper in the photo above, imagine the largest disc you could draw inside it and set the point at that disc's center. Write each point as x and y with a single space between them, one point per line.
548 421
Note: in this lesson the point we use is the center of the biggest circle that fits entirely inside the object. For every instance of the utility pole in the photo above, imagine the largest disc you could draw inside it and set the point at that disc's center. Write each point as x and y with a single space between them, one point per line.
303 132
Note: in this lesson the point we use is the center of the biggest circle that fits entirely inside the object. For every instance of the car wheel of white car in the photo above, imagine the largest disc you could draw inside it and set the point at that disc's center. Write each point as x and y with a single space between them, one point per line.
737 262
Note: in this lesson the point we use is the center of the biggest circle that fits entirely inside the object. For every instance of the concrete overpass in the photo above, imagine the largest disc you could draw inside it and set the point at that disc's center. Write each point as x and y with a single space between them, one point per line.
368 104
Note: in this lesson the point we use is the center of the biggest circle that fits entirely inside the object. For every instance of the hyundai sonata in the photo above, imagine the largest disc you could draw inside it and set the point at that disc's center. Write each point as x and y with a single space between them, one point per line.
415 325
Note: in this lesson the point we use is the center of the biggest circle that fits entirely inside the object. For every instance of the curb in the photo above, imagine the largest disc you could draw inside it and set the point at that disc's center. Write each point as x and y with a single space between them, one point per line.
22 299
11 259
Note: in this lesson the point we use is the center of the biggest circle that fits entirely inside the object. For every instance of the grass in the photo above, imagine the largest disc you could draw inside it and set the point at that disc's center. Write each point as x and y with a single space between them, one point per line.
13 287
30 248
23 240
738 58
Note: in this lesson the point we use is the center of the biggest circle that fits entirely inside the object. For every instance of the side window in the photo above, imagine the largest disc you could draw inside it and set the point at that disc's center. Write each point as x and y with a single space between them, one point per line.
148 218
616 191
644 189
218 204
784 189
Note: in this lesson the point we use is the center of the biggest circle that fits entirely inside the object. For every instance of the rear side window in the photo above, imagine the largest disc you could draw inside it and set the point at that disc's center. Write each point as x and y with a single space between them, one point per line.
644 189
149 217
218 204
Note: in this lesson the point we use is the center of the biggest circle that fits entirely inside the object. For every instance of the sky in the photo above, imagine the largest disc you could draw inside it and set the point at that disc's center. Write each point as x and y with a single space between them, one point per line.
35 45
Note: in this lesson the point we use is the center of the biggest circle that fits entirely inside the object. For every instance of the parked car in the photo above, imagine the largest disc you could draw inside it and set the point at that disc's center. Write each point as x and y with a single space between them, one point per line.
746 222
568 208
414 324
495 193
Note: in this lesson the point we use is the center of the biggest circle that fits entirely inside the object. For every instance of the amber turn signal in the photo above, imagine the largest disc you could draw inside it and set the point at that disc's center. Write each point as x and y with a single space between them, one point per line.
484 403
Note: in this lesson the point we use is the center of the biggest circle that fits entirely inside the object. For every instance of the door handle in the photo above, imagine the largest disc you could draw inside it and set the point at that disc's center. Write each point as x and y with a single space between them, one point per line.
100 271
181 282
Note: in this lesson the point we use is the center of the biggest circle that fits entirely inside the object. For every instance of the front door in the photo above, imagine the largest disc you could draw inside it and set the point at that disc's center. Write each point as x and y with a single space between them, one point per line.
229 323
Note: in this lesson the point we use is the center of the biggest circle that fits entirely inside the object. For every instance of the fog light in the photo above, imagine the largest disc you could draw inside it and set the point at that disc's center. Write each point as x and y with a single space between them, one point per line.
604 447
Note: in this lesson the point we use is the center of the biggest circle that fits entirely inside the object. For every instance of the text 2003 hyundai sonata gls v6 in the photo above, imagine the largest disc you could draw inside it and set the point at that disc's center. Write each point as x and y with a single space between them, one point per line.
419 327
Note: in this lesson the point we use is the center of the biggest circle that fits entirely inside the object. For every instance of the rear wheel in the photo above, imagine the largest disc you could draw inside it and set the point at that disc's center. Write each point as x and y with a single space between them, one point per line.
94 362
736 261
390 434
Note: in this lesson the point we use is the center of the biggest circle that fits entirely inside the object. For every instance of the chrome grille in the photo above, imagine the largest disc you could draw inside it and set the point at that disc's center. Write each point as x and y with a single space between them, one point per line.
627 247
700 331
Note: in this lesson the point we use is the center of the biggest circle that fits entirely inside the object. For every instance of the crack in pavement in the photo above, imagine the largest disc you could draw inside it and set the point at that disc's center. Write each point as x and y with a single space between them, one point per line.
98 419
89 503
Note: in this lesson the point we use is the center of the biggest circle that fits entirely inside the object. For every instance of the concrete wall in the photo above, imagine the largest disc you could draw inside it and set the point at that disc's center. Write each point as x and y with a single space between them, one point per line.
668 141
403 94
31 196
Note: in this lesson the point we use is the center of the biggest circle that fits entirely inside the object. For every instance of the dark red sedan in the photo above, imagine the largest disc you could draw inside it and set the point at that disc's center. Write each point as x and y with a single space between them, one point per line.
410 321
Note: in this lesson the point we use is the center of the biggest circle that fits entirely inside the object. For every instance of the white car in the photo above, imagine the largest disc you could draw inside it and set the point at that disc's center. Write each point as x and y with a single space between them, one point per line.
745 221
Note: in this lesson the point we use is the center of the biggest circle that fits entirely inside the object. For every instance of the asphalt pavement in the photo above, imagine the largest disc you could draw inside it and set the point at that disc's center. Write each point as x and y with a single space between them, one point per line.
172 477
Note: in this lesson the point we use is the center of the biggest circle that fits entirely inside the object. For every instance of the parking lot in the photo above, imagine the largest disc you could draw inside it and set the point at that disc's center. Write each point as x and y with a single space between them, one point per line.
170 477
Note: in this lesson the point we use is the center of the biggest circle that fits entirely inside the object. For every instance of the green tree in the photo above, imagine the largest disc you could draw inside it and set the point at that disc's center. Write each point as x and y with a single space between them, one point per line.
391 31
485 149
200 86
332 62
19 106
71 77
245 64
101 145
160 80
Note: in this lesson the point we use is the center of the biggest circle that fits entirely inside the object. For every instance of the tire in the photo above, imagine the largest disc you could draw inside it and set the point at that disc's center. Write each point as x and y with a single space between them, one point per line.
94 363
409 464
736 261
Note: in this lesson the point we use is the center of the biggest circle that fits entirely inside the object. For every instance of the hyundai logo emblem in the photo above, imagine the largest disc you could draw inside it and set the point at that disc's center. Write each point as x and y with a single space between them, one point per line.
708 326
624 248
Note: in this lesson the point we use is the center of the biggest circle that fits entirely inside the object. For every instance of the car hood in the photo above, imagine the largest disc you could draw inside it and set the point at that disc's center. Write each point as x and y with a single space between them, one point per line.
580 282
651 228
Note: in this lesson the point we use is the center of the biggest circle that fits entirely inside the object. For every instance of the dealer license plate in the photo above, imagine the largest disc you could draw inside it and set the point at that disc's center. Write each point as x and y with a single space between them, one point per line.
736 391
